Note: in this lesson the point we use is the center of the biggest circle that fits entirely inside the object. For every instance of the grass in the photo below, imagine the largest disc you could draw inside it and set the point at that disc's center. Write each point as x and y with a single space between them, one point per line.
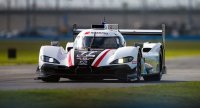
182 48
28 51
176 95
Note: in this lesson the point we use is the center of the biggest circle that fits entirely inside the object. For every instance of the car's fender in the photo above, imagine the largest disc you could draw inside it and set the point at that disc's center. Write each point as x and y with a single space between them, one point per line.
118 54
69 46
55 52
152 56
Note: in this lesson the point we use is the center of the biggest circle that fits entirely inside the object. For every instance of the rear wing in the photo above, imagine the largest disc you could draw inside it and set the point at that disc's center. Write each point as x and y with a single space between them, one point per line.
76 31
145 32
140 32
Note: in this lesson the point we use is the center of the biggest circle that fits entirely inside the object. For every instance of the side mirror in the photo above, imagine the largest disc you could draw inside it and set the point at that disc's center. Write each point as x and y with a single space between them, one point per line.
69 46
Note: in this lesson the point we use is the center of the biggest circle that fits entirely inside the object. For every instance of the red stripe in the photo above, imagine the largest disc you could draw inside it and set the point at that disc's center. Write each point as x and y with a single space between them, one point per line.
101 58
69 59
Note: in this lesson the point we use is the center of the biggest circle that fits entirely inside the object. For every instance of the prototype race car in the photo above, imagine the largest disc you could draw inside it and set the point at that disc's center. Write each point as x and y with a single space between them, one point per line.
101 53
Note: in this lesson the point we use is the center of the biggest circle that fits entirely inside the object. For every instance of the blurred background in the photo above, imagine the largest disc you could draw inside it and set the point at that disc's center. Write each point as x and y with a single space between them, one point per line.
37 18
22 21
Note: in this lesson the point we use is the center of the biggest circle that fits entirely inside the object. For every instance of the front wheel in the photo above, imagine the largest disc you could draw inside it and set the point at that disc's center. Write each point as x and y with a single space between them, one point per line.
135 75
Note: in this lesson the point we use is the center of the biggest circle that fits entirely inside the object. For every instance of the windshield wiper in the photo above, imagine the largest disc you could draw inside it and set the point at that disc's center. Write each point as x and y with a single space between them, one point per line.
92 41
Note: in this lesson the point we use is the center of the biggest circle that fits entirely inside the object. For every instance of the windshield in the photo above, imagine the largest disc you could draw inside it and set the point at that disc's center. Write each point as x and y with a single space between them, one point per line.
101 42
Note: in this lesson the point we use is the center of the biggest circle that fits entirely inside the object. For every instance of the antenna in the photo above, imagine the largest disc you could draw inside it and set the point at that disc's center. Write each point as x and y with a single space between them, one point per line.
104 21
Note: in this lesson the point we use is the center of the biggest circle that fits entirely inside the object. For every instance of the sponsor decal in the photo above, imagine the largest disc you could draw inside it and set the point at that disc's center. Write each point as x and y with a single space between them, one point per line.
105 33
83 62
86 54
87 32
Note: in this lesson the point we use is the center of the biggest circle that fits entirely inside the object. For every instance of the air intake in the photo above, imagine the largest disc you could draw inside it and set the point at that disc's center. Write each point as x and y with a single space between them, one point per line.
146 49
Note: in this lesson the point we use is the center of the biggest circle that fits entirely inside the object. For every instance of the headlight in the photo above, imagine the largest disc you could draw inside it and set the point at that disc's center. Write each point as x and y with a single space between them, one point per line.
49 59
123 60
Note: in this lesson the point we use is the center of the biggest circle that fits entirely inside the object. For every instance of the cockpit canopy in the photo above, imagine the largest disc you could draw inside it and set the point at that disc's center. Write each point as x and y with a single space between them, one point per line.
99 40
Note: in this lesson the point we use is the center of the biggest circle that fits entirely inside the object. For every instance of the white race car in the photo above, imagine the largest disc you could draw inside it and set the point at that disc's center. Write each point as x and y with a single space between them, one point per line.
101 53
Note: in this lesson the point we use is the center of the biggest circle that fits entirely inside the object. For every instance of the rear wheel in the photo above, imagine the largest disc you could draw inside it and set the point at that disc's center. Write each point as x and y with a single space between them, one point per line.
156 77
51 79
139 66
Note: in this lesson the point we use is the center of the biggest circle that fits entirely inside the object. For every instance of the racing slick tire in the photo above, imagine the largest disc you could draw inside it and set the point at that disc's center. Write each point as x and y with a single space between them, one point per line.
51 79
156 77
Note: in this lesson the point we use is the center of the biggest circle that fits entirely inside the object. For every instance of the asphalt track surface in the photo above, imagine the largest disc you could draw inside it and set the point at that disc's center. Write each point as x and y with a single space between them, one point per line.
22 77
